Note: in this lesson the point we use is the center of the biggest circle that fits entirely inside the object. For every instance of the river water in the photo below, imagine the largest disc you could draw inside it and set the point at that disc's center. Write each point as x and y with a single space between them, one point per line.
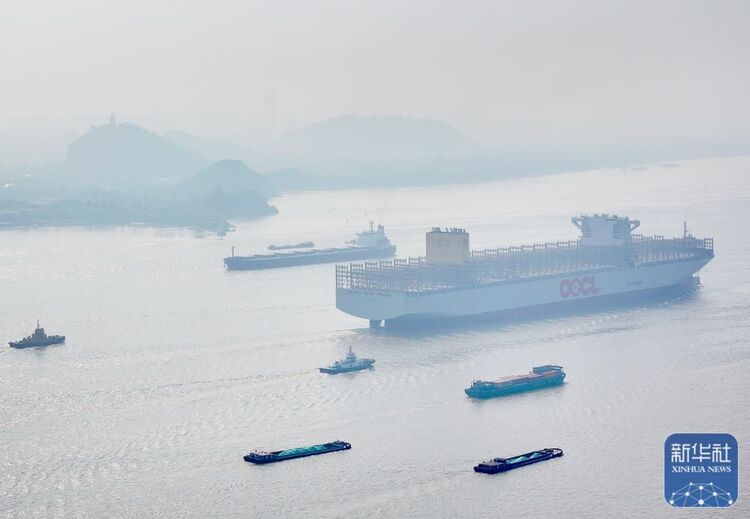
173 368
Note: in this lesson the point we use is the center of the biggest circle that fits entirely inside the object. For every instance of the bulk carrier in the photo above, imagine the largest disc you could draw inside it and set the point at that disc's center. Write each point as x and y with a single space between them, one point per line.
372 243
607 262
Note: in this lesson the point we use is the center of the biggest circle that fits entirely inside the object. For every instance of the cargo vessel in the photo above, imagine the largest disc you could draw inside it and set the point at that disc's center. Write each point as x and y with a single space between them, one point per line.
368 244
262 457
38 338
606 263
348 364
538 378
496 465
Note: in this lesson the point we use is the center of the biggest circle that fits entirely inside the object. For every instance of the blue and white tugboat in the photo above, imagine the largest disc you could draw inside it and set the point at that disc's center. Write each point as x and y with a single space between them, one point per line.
38 338
350 363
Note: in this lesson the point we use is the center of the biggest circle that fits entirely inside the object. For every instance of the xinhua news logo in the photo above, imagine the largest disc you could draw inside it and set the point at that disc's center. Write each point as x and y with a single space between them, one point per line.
700 470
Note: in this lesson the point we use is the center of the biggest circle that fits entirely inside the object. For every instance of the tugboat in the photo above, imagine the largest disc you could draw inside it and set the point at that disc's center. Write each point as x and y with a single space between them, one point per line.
262 457
496 465
38 338
540 377
350 363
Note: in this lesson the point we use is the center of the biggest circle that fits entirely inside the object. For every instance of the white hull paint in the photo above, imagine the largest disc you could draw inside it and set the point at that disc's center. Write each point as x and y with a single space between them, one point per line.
516 295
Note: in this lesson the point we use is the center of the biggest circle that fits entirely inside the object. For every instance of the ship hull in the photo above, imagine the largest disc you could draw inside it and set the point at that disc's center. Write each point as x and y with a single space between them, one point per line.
484 393
585 289
334 371
307 258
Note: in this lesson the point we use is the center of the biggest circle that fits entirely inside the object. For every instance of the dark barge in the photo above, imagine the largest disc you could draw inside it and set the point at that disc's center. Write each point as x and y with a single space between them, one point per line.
261 457
496 465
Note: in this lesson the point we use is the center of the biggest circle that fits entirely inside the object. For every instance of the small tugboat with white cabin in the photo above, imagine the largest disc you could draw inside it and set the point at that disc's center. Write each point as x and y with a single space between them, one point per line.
348 364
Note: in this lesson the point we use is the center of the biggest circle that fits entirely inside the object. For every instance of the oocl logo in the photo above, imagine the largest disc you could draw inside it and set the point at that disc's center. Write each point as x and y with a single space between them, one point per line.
574 287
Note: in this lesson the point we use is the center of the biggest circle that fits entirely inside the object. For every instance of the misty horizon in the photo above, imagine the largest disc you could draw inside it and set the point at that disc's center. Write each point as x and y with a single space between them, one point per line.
583 76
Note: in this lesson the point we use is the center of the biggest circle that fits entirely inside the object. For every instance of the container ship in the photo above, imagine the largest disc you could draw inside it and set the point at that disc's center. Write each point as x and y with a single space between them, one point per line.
368 244
540 377
607 262
496 465
262 457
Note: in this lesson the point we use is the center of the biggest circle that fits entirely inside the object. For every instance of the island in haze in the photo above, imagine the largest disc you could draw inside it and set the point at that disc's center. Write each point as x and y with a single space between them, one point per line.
124 155
359 151
121 174
375 137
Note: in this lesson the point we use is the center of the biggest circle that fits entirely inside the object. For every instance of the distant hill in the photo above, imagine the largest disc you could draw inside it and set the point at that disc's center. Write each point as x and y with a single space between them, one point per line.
374 138
126 155
228 188
229 176
214 149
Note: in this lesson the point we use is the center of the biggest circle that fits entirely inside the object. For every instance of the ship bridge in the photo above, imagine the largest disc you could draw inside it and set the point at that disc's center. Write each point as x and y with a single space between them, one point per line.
603 230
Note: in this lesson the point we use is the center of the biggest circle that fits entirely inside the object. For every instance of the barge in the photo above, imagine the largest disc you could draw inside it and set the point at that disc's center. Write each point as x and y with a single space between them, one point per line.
262 457
538 378
496 465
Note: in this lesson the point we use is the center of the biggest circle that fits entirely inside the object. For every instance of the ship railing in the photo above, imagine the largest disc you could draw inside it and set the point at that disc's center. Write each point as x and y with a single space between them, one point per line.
516 249
685 242
515 263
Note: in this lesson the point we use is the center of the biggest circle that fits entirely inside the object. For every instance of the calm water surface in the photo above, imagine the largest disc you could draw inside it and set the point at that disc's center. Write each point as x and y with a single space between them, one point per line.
173 368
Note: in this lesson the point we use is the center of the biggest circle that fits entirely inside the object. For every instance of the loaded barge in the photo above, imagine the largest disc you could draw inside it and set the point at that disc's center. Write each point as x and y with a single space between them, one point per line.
496 465
262 457
540 377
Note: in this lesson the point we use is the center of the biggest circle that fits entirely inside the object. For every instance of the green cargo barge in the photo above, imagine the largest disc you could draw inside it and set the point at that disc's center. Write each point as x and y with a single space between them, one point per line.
262 457
540 377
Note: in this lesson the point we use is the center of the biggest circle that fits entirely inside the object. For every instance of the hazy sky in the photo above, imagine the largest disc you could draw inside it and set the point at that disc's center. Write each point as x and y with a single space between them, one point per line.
502 72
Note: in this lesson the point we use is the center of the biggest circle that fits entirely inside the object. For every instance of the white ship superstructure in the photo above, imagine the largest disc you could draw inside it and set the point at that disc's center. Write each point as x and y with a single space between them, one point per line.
452 281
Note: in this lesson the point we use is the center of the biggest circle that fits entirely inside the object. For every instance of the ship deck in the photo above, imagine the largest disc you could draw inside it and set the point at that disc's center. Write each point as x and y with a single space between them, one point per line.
509 378
517 263
294 254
